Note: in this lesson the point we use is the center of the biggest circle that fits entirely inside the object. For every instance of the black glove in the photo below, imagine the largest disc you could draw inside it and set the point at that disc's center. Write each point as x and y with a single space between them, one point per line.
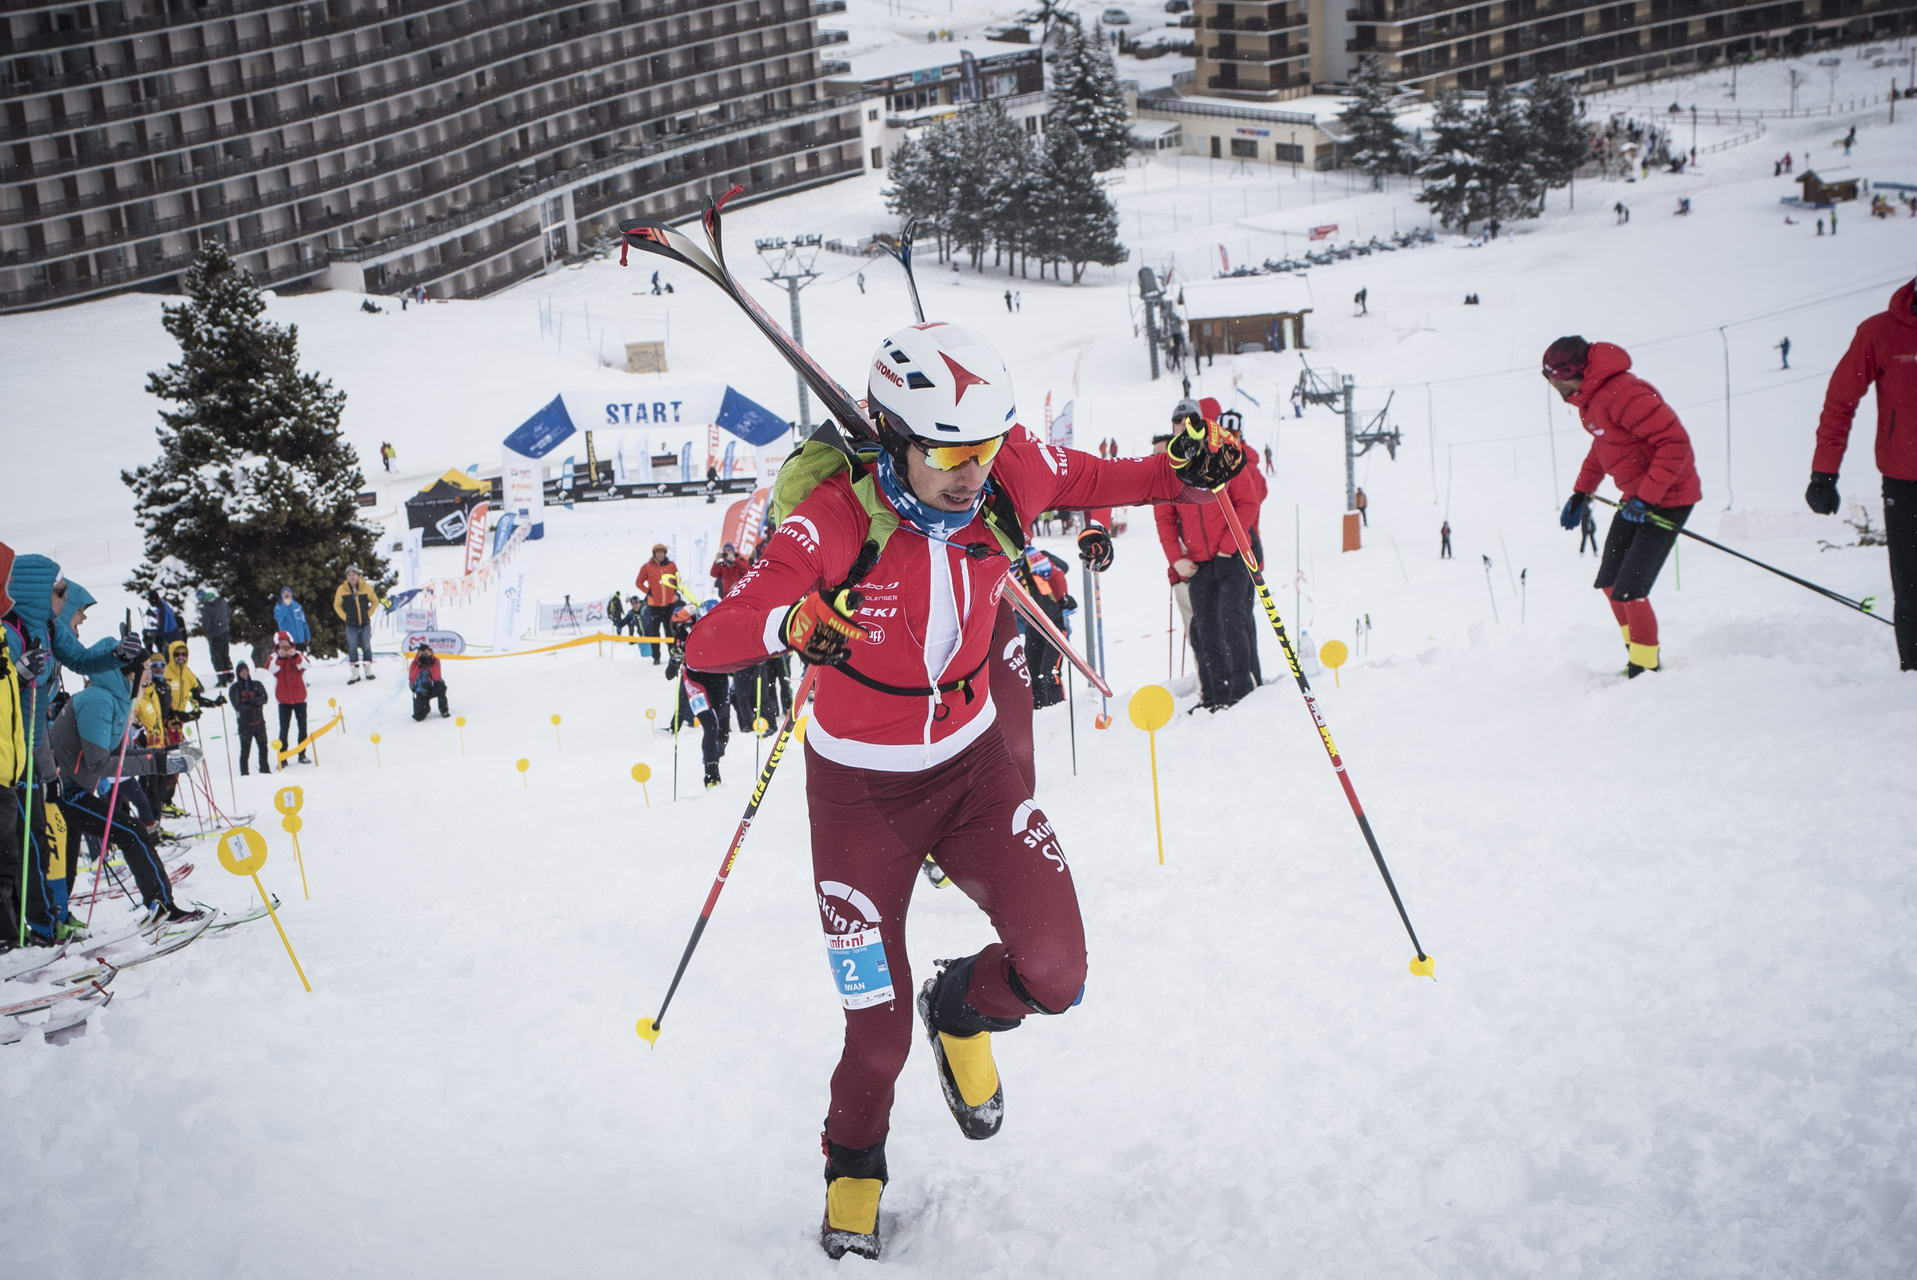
35 662
1573 512
1205 457
819 628
1821 496
129 649
213 702
1095 549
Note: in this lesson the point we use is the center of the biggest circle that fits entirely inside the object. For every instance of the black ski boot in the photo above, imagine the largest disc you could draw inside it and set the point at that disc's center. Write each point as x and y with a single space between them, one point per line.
961 1040
712 775
854 1180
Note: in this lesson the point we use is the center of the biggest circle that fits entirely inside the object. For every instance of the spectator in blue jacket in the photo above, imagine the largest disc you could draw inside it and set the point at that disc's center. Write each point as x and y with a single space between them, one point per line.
289 617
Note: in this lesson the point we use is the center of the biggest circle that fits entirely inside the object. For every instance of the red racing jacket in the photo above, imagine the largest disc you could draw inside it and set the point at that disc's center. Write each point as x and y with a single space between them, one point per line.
1198 532
928 606
1636 438
1883 351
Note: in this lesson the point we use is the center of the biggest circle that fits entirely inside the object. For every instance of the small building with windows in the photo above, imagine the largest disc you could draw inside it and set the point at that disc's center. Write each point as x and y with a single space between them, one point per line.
1297 131
911 84
1250 313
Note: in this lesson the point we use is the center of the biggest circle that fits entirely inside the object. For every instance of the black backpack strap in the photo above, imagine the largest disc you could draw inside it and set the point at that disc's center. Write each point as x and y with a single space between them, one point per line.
964 684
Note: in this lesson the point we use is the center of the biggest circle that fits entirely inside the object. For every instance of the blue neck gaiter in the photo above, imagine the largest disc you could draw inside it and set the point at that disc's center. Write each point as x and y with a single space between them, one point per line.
929 520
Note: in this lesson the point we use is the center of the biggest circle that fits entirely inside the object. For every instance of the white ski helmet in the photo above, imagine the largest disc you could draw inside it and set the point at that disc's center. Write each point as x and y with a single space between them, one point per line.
941 384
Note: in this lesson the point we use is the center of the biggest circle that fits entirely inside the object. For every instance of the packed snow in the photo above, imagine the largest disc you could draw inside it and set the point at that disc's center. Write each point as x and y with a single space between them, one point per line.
1671 1031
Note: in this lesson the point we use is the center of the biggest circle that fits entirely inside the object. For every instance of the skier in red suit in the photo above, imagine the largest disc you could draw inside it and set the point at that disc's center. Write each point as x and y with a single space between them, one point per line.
1637 440
889 578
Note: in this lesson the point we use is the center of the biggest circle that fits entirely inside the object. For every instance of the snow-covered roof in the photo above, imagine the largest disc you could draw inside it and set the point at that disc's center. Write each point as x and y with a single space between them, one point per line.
908 56
1145 130
1320 107
1246 296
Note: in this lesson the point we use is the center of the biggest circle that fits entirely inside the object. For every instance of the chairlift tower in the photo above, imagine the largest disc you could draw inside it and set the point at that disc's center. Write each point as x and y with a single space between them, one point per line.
793 272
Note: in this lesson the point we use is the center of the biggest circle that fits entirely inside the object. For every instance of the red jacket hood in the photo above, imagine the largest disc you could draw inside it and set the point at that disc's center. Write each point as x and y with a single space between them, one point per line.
1900 304
1605 361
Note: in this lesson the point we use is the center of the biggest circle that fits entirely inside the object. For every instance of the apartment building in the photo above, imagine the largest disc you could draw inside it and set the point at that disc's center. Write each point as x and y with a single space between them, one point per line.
1258 49
461 145
1431 44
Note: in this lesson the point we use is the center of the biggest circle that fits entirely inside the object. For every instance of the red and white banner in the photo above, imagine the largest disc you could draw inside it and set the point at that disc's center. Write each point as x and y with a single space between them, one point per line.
1224 259
476 535
1325 232
743 518
712 448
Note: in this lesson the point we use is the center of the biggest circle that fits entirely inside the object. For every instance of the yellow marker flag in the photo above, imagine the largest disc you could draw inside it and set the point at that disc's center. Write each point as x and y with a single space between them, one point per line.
242 851
1151 710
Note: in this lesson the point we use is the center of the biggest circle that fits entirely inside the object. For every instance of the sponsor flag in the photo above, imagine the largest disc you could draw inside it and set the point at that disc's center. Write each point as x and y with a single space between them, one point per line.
1324 232
476 536
1224 259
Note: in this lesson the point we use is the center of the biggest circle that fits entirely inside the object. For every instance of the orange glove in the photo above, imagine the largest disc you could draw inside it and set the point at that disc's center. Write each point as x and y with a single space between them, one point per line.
819 628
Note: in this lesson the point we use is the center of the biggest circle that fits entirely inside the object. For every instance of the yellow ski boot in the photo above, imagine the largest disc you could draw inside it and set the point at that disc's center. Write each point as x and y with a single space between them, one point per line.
854 1181
967 1074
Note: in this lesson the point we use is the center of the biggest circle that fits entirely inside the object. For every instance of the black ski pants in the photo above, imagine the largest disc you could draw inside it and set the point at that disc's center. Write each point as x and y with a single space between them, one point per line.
86 815
1222 636
1900 529
423 696
1634 553
222 660
289 711
254 735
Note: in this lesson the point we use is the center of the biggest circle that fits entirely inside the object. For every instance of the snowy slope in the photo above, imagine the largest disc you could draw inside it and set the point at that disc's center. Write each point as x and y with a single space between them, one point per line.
1671 1032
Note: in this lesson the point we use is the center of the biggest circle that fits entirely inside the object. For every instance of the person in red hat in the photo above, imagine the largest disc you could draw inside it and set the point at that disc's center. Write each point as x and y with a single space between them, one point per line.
1638 442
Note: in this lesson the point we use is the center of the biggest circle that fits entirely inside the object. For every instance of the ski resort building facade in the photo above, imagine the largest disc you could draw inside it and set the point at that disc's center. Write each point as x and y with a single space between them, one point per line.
1271 50
908 85
387 145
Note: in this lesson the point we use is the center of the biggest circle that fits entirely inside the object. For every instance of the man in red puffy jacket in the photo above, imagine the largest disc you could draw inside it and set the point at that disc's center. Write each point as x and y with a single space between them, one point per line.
1883 353
1637 440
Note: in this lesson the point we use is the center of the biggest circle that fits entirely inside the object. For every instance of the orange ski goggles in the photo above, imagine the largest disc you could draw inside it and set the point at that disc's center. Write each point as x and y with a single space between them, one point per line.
950 457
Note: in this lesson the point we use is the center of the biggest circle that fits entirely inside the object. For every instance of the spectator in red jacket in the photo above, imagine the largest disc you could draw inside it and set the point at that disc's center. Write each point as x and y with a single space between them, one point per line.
1883 353
728 569
427 679
289 689
658 584
1637 440
1202 551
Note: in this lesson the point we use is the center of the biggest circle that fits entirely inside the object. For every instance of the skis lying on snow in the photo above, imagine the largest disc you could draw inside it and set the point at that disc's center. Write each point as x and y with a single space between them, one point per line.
92 989
59 1021
228 920
174 874
675 246
151 943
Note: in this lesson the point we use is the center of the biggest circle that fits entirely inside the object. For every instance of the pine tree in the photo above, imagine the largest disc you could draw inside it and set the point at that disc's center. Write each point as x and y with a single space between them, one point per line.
1504 146
1087 99
1377 144
1454 176
1560 142
1075 220
254 488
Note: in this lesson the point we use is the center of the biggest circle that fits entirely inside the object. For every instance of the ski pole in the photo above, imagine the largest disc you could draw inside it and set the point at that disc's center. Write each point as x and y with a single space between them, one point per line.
226 742
1423 965
1023 602
1104 720
1489 587
1071 718
113 800
1862 606
26 812
648 1028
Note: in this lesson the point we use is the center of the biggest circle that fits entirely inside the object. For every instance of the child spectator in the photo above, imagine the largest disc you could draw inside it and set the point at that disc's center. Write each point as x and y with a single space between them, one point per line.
249 703
290 620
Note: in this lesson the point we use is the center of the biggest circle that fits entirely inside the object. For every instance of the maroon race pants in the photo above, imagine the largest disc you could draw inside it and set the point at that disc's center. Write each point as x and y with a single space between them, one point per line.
870 833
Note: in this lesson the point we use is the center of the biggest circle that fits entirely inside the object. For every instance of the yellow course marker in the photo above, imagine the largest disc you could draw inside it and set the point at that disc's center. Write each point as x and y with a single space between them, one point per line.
641 774
333 703
1333 654
522 764
461 722
1151 710
555 732
374 739
243 852
291 824
289 798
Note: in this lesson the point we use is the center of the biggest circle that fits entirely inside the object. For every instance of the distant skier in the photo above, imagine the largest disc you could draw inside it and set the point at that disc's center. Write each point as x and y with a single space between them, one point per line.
905 755
1362 505
702 695
1784 350
1883 354
1638 441
1359 300
1444 541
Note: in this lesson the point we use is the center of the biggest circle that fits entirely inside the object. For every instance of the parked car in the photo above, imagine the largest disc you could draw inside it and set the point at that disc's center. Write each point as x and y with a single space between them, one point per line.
1177 6
1115 18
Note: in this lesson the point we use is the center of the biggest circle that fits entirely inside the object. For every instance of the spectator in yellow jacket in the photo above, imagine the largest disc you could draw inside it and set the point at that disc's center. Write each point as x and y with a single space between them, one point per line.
355 601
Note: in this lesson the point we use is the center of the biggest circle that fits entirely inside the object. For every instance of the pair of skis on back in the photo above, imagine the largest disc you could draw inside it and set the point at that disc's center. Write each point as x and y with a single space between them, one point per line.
675 246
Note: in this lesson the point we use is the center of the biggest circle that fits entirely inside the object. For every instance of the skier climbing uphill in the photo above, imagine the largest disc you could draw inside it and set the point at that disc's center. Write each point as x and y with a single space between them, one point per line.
1637 440
889 575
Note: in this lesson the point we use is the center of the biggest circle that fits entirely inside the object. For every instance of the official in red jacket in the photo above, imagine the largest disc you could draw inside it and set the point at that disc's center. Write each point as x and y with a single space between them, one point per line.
1883 354
727 569
1201 549
904 756
1637 440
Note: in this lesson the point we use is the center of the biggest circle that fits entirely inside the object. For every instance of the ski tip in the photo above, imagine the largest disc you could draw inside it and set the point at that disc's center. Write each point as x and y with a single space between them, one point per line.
1424 967
648 1029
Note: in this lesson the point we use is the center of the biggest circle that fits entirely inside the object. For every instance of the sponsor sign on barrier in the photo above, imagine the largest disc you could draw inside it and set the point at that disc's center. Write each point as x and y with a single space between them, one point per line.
442 641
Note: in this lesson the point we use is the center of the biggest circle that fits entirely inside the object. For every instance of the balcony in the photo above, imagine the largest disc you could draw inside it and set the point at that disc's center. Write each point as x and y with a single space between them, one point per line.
598 59
160 269
541 40
1283 53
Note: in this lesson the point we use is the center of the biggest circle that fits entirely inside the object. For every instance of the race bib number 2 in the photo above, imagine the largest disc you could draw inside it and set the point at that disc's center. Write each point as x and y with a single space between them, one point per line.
859 968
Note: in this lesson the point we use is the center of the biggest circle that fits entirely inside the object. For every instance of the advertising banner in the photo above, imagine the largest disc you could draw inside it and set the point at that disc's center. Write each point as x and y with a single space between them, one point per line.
476 536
